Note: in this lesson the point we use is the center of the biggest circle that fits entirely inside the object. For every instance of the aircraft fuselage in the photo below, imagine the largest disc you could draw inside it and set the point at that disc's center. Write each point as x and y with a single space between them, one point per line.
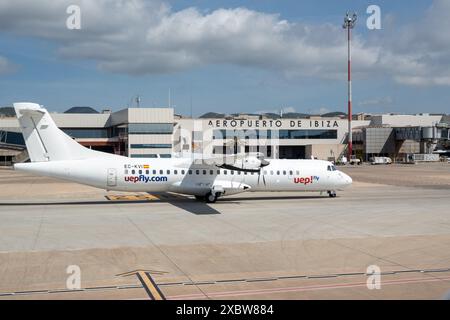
183 176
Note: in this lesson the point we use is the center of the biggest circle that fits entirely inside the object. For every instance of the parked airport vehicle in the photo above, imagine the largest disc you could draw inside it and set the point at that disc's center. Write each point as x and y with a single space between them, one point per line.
380 160
354 160
55 154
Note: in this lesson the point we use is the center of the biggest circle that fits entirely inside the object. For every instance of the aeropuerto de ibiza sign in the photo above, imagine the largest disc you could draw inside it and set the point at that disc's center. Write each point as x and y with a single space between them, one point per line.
275 123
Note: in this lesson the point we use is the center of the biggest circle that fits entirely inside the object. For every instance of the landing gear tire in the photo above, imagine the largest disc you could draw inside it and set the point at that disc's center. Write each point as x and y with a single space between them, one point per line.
210 198
200 198
332 194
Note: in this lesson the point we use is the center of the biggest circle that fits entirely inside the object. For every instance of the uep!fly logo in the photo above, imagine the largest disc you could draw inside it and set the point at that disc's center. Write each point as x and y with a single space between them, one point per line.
306 180
145 179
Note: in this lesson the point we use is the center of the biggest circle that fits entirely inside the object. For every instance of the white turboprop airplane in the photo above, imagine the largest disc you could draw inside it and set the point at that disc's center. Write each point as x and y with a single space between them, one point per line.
55 154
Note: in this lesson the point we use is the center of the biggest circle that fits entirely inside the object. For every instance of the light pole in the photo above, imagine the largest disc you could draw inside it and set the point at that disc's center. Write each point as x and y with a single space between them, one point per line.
349 23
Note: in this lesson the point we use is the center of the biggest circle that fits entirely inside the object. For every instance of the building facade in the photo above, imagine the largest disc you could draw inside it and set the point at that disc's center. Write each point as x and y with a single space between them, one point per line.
279 138
158 132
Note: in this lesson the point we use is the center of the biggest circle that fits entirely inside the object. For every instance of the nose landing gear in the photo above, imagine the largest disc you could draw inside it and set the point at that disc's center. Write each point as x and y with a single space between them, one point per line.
332 194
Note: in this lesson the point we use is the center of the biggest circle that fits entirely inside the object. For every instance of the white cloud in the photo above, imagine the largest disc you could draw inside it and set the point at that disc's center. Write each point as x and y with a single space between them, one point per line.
318 110
142 37
277 111
138 37
6 66
376 101
419 53
321 110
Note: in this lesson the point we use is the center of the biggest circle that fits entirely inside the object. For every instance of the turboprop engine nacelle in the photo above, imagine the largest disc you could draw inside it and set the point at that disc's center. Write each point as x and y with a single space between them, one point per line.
250 163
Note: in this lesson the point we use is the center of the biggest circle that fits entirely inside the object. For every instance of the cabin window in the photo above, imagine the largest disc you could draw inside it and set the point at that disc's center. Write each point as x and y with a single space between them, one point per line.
252 173
182 172
190 171
232 172
245 172
239 173
154 171
197 171
133 171
175 171
126 171
284 172
204 171
218 172
168 171
211 172
297 172
291 172
271 173
140 171
224 172
147 171
161 171
278 173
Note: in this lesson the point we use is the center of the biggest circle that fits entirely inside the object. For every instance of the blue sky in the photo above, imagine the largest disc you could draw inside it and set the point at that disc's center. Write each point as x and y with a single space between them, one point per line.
65 68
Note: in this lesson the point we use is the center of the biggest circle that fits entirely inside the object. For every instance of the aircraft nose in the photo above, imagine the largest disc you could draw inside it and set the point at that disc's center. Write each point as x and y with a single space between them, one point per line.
348 179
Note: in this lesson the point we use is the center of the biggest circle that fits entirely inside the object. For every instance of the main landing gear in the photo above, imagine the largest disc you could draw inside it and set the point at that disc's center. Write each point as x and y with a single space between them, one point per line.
209 197
332 194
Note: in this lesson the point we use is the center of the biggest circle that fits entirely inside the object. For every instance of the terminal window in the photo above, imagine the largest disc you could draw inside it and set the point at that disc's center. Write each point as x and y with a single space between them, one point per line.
143 156
150 128
308 134
242 134
86 133
151 145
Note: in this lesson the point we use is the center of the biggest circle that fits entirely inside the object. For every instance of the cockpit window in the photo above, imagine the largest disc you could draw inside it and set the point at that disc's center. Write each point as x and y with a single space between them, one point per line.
331 168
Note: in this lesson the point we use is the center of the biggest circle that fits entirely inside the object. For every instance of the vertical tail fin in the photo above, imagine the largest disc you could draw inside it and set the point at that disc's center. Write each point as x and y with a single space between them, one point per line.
44 140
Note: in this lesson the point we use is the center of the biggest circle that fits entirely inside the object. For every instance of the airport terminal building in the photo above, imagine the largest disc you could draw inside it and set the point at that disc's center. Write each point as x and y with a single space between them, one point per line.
159 132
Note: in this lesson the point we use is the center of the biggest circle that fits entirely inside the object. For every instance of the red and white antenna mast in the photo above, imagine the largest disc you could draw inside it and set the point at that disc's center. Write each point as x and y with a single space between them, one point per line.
349 23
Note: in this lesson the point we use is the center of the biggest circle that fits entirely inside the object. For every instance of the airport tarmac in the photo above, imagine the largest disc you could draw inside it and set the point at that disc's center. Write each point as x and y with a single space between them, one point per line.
274 245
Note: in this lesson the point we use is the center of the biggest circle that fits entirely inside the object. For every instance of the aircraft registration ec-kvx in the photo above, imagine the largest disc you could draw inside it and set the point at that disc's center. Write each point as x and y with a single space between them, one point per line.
55 154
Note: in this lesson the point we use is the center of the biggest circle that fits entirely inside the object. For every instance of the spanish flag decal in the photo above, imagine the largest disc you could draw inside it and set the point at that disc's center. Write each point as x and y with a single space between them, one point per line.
146 166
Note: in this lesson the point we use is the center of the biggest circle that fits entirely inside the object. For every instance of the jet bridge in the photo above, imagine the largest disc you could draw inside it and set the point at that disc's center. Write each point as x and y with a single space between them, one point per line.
12 148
